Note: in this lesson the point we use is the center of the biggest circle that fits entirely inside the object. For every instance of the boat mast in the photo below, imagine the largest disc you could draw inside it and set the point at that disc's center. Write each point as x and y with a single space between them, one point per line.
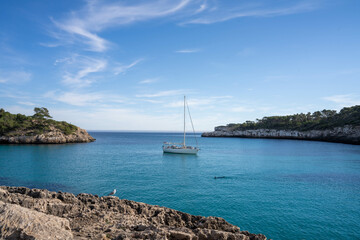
184 120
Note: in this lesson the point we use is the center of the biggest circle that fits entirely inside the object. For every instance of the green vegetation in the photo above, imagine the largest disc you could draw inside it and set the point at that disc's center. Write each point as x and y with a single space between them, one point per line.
39 123
319 120
41 113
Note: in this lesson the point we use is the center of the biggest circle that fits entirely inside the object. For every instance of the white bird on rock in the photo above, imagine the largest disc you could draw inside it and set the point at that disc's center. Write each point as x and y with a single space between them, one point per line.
112 193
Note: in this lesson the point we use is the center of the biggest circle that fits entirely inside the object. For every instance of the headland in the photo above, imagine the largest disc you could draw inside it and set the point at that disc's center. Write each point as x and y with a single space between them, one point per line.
39 129
325 125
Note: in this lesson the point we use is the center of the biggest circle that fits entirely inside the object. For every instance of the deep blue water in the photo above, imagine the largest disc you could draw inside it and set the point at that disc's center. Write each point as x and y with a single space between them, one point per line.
284 189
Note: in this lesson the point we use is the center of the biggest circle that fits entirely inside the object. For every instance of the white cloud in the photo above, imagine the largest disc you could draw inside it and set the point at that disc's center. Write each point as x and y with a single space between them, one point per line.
50 45
222 97
149 80
14 109
118 119
242 109
187 51
14 76
191 102
344 100
15 94
85 67
68 60
84 25
256 9
163 93
95 43
202 7
27 103
76 98
124 68
153 101
209 102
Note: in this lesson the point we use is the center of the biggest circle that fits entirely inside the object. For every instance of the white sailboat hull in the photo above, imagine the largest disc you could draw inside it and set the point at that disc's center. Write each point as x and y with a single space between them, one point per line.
180 150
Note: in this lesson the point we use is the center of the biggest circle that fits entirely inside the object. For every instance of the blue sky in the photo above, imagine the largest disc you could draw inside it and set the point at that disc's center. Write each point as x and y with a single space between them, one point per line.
125 65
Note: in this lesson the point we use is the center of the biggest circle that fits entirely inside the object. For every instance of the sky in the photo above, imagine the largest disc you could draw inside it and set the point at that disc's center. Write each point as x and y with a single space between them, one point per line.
126 65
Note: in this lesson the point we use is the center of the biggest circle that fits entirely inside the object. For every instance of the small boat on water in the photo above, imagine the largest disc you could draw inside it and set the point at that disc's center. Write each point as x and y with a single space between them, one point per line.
181 148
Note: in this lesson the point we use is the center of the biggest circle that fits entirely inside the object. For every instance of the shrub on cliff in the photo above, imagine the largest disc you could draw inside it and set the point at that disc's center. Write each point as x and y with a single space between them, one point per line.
319 120
39 123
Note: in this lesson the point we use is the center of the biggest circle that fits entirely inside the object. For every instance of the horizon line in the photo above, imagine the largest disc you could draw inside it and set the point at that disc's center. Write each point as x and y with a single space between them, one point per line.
149 131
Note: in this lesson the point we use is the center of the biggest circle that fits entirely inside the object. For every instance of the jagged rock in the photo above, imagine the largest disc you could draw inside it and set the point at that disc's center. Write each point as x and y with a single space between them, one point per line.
54 136
96 217
22 223
346 134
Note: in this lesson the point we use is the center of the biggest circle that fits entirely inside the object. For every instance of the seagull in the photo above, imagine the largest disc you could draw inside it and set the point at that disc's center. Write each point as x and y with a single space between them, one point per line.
112 193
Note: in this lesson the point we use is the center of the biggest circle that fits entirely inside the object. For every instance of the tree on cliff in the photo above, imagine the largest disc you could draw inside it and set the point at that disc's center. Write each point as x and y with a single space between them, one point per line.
41 113
40 122
319 120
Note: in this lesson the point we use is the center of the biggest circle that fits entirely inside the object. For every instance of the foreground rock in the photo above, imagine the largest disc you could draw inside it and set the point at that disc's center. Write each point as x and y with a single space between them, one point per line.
346 134
21 223
54 136
41 214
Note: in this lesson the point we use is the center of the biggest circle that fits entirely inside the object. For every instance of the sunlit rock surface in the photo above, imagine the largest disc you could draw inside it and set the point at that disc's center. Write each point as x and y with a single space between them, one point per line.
54 136
87 216
346 134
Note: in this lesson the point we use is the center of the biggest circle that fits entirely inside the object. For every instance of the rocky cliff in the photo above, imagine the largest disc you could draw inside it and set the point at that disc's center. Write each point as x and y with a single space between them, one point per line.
346 134
53 136
41 214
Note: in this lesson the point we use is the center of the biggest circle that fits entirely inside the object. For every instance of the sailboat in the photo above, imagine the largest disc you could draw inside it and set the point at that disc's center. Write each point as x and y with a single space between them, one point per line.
181 148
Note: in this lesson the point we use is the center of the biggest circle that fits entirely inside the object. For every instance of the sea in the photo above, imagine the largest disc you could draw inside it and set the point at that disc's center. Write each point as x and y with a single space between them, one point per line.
285 189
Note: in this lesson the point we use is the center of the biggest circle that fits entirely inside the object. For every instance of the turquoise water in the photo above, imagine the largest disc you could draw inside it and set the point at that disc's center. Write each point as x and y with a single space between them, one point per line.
282 188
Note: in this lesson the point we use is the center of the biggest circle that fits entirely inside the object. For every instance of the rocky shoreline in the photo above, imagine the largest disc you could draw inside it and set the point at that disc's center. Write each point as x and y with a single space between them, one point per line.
54 136
41 214
347 134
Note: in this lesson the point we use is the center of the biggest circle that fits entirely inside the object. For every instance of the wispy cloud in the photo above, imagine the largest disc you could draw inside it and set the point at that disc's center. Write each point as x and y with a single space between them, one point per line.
242 109
344 100
68 60
85 66
118 118
149 80
278 78
191 102
94 42
208 102
74 98
124 68
27 103
10 55
187 51
14 94
81 98
14 77
226 97
256 9
153 101
163 93
83 26
50 45
202 7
